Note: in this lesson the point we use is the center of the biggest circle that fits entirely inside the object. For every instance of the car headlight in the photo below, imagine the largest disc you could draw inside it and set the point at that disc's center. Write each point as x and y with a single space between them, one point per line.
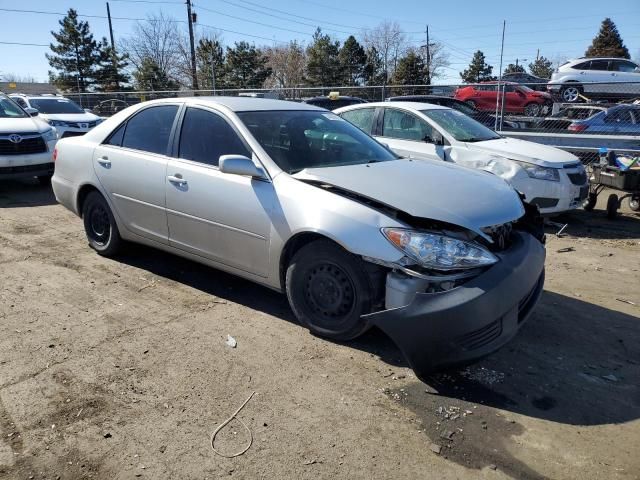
540 173
439 252
57 123
50 135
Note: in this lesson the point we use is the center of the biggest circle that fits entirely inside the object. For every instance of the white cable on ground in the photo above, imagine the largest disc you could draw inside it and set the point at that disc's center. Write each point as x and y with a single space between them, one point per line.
222 425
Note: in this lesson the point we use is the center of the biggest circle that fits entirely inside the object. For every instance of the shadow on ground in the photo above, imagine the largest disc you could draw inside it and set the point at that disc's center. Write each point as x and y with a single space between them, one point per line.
25 193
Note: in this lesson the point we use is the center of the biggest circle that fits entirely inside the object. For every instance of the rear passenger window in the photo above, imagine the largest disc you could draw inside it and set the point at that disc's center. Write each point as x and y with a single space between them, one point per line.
150 129
116 137
599 65
206 136
361 118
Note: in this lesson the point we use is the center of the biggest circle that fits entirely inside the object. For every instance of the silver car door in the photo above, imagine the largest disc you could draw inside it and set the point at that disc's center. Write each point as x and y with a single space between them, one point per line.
407 135
131 166
223 217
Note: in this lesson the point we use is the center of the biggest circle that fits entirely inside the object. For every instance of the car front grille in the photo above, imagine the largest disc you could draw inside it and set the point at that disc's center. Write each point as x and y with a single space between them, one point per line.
578 178
526 304
480 337
81 124
27 145
27 168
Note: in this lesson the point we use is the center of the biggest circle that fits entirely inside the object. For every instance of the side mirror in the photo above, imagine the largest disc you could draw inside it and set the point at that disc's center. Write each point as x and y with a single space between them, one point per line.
240 165
31 111
437 138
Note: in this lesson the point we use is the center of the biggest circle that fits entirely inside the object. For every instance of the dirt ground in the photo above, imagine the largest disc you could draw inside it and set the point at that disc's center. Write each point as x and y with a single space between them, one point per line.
118 369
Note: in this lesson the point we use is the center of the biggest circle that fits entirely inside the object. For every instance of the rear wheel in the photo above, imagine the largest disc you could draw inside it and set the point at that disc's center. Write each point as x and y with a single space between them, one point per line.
329 289
634 203
571 92
100 225
612 206
532 109
590 202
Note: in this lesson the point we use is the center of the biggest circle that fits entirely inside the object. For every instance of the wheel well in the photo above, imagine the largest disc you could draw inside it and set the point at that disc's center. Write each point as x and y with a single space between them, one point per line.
85 190
294 244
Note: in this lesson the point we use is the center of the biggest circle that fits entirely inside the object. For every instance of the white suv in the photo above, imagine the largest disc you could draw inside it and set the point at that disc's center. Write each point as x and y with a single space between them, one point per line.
66 116
614 78
26 143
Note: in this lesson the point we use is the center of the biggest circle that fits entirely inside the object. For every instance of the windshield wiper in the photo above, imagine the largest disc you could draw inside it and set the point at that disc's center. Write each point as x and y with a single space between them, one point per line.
478 139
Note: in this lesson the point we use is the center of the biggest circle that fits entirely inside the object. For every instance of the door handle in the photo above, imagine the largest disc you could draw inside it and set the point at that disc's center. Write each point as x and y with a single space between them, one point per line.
177 179
104 161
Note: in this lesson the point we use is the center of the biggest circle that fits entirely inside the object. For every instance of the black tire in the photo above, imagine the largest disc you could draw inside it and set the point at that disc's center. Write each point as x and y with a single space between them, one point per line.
570 92
100 226
634 203
472 104
532 109
45 180
612 206
329 289
590 202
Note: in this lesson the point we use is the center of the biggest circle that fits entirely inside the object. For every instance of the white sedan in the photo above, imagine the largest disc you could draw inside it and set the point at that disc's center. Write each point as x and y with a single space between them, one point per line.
552 179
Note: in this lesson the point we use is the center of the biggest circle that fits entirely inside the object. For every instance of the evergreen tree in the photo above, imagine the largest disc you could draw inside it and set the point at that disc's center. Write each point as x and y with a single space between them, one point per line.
352 59
513 68
246 66
542 67
150 77
210 60
608 42
479 70
323 65
373 72
110 73
75 54
411 70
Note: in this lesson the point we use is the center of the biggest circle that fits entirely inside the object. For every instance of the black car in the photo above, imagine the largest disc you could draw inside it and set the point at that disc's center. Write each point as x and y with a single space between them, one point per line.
531 81
483 117
332 102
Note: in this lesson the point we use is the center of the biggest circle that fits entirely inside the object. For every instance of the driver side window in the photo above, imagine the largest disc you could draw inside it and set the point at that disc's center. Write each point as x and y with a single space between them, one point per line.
405 126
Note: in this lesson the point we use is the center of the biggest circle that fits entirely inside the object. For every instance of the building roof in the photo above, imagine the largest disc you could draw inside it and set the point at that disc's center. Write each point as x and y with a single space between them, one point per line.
27 88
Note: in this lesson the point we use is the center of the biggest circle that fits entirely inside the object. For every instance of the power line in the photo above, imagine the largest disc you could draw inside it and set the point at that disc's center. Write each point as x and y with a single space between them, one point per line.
25 44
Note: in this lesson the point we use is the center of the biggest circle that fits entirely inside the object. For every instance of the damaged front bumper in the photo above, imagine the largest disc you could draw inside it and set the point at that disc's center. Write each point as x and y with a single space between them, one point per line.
442 329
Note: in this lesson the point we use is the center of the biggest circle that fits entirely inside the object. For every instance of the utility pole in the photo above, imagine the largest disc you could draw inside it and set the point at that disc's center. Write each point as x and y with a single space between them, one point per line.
538 55
213 71
114 58
194 77
428 58
504 26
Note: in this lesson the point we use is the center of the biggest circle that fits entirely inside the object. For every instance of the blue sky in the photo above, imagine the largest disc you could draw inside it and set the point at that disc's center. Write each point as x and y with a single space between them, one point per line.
559 29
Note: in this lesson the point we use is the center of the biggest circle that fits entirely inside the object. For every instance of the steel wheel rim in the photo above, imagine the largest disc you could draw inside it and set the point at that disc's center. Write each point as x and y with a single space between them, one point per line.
329 294
99 225
532 110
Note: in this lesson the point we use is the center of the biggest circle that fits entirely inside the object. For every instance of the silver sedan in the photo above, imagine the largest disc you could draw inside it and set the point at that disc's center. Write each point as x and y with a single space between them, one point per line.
446 260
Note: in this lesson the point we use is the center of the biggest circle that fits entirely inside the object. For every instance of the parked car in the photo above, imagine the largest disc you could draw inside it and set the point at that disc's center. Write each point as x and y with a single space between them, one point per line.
109 107
561 120
66 116
523 78
26 143
484 118
517 98
295 198
596 78
618 120
552 179
333 101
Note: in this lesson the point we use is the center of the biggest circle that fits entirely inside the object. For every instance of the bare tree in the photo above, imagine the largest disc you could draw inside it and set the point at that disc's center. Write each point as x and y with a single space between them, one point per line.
287 65
390 43
436 60
14 77
157 39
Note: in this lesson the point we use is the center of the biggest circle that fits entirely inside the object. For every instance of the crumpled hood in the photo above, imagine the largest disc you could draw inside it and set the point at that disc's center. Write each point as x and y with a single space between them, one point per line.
542 155
22 125
71 117
429 189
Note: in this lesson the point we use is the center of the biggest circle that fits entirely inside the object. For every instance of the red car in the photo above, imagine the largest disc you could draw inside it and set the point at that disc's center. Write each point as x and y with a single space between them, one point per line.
518 98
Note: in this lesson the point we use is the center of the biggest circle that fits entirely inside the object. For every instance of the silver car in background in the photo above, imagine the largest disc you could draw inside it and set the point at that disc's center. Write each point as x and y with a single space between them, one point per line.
295 198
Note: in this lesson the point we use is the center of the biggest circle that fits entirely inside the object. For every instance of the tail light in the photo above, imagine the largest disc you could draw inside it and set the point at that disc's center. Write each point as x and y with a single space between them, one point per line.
55 154
577 127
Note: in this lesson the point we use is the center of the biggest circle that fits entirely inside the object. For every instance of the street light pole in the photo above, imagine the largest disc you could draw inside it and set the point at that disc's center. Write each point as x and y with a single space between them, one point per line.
194 77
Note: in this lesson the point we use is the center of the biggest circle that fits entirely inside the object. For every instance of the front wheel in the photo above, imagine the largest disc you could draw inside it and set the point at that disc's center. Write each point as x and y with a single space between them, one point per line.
612 206
100 225
532 110
590 202
570 93
329 289
634 203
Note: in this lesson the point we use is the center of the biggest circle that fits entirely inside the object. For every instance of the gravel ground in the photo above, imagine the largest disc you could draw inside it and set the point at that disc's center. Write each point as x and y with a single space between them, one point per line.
120 369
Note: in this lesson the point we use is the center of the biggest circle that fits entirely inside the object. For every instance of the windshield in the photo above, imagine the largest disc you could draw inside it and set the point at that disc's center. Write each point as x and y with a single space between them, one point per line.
10 109
524 88
55 105
461 127
296 140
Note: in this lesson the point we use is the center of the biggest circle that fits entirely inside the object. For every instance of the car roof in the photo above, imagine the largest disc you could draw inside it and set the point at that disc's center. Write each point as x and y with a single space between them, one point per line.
413 98
326 97
240 104
582 59
406 105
